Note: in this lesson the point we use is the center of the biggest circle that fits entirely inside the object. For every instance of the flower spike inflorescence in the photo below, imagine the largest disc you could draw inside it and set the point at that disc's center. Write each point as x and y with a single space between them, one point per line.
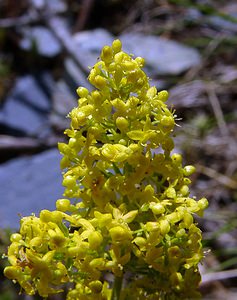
132 235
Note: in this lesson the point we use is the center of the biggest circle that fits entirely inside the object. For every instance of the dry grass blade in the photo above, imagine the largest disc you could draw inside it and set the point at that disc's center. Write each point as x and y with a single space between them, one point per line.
222 179
210 88
216 276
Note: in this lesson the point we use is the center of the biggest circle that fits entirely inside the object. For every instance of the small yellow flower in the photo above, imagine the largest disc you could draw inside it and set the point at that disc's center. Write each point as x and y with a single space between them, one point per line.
115 152
120 234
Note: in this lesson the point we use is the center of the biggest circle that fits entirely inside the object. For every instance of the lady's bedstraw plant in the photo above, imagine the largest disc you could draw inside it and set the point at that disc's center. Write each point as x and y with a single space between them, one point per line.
132 235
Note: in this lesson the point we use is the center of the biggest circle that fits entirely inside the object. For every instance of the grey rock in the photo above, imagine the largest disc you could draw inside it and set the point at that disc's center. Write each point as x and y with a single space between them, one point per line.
223 24
192 15
163 56
56 5
28 185
63 99
75 75
28 89
39 4
52 5
188 95
63 102
20 117
27 107
90 43
46 43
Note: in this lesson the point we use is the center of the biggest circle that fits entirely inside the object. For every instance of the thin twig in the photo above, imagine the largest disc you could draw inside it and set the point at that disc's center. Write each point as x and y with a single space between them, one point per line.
222 179
83 15
33 15
19 143
216 276
26 19
210 88
61 32
63 35
211 47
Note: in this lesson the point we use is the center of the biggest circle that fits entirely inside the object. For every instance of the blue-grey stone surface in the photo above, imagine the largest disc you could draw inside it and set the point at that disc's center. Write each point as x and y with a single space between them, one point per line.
27 107
41 38
89 44
52 5
221 23
163 56
28 185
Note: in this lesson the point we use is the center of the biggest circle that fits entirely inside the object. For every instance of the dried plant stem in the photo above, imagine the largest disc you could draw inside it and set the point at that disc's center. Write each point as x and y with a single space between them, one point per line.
217 109
216 276
222 179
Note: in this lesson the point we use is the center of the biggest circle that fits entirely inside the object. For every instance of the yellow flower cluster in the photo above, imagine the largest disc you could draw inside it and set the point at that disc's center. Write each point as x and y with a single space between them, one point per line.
134 224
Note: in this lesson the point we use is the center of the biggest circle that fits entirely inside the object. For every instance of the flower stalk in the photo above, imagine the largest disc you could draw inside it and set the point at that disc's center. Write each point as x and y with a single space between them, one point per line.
117 286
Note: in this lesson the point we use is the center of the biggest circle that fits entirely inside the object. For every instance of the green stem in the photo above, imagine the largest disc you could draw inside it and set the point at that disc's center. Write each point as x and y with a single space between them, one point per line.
117 288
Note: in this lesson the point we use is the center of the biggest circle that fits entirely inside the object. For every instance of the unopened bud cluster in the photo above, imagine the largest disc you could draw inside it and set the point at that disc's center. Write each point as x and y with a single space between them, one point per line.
131 216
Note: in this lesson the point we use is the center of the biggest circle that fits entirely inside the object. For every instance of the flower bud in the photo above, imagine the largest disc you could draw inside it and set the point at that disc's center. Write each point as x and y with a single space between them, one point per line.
128 65
69 181
140 242
97 263
187 219
176 278
99 82
151 93
203 203
184 190
173 217
157 208
12 272
45 215
107 54
36 242
163 96
15 237
95 239
122 123
152 226
170 193
96 286
164 226
168 144
103 219
180 233
119 234
116 46
167 122
65 162
130 216
140 61
82 92
118 57
116 152
177 159
189 170
63 204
